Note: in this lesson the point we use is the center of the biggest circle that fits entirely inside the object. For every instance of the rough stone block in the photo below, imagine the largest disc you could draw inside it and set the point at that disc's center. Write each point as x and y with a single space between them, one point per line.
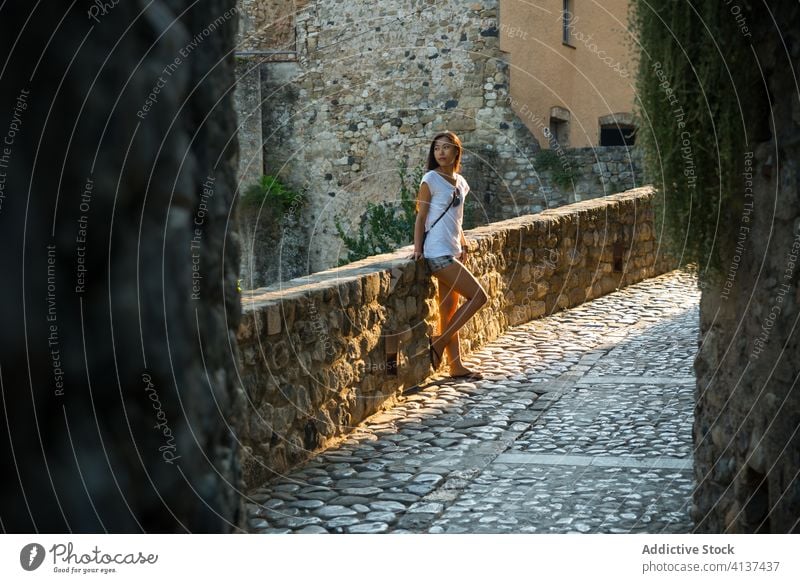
412 311
273 319
372 286
283 417
519 315
538 309
577 296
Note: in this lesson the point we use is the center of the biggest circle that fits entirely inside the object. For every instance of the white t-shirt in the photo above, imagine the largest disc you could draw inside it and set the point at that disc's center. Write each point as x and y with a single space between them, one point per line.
445 237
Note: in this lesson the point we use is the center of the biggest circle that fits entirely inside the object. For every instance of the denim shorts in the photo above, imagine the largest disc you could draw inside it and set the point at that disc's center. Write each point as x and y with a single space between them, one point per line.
438 263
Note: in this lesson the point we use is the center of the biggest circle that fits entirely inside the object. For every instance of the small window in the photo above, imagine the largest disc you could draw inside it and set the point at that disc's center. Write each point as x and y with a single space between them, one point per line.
617 135
566 20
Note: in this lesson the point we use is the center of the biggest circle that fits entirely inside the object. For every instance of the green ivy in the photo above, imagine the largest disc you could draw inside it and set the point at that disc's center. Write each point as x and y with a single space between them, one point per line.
271 192
697 85
387 225
563 172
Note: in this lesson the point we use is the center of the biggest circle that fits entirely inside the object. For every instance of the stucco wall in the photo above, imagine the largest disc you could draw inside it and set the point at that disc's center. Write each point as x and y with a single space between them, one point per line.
592 78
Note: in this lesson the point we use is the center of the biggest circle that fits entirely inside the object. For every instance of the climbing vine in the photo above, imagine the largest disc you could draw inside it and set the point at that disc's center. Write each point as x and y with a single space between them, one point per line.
698 92
564 174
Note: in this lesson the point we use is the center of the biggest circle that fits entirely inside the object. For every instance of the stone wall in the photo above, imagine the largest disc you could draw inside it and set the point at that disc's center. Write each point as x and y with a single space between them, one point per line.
317 352
247 101
593 172
273 245
267 25
746 422
119 384
273 240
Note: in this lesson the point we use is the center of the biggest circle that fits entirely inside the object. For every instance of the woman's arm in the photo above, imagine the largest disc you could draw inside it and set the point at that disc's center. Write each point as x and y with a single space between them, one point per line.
463 255
423 206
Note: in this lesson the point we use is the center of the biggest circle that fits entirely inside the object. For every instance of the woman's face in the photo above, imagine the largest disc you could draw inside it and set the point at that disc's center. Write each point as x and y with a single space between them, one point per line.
445 152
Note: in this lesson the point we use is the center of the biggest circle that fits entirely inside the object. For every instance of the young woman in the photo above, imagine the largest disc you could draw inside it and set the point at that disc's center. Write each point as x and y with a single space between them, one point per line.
440 211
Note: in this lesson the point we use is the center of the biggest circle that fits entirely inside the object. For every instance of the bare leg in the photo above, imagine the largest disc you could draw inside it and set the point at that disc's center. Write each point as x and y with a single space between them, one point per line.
458 278
448 304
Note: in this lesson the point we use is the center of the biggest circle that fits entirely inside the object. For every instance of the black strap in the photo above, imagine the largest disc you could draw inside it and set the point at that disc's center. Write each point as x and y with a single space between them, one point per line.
452 200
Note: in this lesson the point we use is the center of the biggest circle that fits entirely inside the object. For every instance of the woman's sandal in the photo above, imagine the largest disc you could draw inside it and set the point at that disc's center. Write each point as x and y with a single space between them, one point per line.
436 358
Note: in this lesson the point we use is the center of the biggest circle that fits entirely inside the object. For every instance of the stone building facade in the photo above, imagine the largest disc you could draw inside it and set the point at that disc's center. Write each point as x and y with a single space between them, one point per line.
363 85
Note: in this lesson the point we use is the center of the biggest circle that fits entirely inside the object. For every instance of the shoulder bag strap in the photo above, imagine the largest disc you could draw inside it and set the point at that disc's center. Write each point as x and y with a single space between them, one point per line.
444 212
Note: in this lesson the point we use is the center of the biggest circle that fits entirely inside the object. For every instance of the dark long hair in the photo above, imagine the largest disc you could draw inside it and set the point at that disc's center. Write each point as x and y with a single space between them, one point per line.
433 164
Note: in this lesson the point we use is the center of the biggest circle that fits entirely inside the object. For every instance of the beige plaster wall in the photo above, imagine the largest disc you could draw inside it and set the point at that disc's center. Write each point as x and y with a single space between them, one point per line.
592 78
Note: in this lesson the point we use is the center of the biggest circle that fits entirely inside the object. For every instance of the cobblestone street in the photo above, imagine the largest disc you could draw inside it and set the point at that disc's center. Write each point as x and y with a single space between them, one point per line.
582 424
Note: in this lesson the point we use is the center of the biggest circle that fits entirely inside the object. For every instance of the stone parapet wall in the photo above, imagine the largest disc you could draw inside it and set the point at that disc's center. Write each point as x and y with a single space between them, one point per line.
316 351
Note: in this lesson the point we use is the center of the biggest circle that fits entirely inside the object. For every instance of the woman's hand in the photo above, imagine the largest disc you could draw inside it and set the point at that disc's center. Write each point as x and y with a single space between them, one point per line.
423 205
463 255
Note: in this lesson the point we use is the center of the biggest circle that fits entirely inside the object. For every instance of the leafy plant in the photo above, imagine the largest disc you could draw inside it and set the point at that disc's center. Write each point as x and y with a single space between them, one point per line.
271 192
387 225
564 173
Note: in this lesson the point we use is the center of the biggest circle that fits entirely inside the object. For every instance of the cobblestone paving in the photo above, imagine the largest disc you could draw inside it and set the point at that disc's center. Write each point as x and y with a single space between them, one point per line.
583 424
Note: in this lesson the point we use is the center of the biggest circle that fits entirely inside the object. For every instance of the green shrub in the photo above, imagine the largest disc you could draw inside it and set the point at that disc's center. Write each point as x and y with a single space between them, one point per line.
272 193
387 225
